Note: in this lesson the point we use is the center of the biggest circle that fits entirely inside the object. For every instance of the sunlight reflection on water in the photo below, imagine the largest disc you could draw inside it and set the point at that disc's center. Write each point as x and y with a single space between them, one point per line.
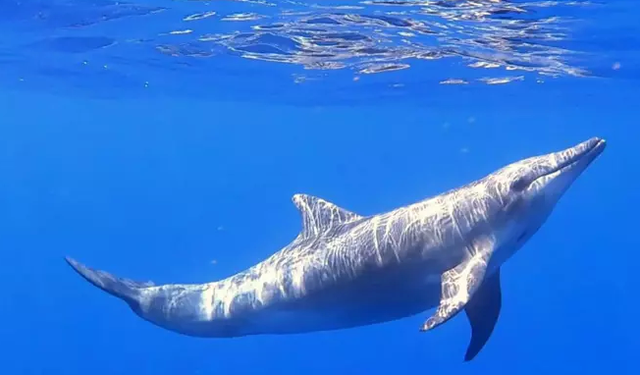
505 40
376 36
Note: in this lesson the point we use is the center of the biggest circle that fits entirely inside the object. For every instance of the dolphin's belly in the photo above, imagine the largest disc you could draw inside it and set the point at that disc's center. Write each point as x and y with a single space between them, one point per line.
334 291
359 302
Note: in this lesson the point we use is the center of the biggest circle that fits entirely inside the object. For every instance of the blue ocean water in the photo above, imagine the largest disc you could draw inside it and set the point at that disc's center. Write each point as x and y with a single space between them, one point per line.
163 140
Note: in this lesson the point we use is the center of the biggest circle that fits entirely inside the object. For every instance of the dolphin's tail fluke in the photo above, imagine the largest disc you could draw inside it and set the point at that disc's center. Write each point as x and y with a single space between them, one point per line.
126 289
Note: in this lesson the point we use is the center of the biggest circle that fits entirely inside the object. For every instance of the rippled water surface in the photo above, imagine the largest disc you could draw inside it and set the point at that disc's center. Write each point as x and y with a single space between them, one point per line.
166 45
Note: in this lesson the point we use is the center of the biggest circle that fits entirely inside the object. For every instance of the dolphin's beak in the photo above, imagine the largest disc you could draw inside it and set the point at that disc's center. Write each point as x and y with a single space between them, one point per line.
563 167
581 154
578 156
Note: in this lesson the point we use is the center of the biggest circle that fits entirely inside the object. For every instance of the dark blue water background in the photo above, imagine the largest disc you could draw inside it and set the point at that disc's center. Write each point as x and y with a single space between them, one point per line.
161 141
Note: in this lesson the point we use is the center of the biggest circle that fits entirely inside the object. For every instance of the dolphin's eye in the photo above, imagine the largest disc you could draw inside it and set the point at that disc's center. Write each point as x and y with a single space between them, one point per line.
519 184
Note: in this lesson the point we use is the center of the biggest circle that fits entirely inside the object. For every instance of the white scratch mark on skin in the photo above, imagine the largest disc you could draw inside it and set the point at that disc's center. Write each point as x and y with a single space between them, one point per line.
206 303
375 223
454 221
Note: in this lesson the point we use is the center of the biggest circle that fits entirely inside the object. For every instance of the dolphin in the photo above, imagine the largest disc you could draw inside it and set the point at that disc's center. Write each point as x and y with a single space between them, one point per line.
346 270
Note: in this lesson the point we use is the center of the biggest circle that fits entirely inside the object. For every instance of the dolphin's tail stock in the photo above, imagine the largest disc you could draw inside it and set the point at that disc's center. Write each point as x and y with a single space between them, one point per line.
126 289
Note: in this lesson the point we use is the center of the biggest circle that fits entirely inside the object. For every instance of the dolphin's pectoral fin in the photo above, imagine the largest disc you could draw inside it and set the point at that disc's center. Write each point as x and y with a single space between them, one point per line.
460 283
483 311
319 215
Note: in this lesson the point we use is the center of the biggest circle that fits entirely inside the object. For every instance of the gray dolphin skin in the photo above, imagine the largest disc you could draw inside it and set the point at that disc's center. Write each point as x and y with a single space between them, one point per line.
346 270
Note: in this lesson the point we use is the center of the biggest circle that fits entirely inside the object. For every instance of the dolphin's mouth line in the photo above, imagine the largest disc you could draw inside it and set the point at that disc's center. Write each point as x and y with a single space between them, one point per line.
585 157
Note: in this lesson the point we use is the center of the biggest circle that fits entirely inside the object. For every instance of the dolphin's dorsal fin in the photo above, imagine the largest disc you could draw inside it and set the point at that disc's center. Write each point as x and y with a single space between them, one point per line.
319 215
